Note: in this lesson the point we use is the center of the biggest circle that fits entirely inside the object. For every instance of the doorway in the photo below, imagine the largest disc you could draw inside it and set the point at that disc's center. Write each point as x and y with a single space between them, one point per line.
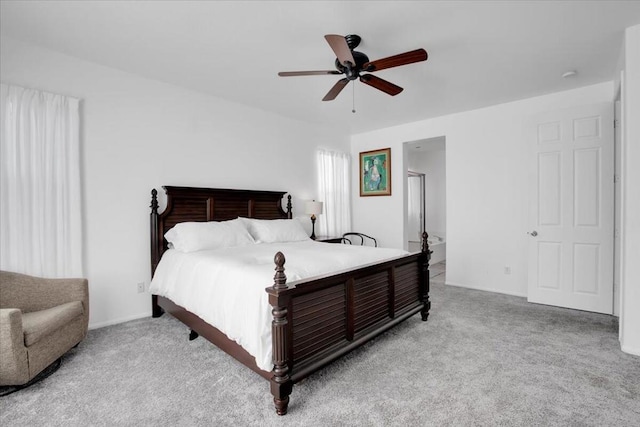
426 194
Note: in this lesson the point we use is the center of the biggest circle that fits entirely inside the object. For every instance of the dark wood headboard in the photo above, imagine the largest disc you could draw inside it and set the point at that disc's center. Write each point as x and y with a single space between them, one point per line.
209 204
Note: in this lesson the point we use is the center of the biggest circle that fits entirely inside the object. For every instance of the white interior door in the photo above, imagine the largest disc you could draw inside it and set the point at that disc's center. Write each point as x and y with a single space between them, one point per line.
571 209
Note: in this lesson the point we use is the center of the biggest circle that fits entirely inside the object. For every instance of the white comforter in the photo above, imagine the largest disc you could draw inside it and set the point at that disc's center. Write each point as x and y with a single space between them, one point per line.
226 287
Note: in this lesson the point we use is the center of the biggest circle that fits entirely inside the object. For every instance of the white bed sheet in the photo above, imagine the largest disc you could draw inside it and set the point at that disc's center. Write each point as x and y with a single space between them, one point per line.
226 287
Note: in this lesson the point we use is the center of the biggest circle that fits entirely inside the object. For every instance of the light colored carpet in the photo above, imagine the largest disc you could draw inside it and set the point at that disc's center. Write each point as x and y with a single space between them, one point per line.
481 359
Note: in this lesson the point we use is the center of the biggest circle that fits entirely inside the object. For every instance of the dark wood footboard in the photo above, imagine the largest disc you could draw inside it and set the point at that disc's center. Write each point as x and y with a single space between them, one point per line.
317 320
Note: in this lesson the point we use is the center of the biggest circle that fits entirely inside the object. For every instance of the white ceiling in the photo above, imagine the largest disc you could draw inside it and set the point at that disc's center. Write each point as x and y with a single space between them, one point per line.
480 52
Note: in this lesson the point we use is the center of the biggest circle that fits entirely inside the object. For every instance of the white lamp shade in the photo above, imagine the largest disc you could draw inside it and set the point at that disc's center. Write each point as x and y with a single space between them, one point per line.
313 208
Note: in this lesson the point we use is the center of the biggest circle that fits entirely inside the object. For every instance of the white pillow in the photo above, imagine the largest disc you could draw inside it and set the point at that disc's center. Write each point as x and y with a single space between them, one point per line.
198 236
276 230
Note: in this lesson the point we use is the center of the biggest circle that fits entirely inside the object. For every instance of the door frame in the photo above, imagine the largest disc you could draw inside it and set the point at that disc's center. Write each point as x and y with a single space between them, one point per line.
423 198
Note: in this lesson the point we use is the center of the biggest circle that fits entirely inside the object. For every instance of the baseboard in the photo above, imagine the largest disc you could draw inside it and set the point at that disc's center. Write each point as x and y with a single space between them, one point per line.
630 350
120 320
497 291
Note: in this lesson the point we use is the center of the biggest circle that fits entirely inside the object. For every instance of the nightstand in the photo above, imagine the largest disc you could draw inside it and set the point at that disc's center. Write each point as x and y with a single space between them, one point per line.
329 239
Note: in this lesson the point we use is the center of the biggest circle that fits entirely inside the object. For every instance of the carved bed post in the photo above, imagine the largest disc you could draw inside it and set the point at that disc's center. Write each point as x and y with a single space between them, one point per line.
156 310
281 383
154 229
289 213
424 294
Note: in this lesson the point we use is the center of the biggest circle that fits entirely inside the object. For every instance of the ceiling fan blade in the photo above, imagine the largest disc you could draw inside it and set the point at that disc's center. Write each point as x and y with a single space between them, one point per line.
381 84
341 48
396 60
307 73
335 90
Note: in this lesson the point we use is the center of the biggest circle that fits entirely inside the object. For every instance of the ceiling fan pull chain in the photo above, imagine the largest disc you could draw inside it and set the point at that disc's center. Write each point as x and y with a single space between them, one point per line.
353 105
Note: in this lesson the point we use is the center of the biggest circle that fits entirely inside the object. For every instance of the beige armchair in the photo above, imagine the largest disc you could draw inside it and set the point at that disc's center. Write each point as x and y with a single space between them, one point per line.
40 320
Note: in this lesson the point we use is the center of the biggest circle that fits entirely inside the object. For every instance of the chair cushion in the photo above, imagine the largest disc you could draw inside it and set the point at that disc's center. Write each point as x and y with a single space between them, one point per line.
38 324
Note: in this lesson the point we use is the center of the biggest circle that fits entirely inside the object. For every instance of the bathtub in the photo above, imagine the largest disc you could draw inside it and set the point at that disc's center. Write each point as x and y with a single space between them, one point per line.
437 244
439 247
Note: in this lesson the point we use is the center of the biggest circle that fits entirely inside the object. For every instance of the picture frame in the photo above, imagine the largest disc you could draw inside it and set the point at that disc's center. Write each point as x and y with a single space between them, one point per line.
375 172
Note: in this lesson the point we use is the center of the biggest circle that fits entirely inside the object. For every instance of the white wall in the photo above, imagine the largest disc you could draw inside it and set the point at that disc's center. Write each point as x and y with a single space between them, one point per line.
630 226
138 134
487 187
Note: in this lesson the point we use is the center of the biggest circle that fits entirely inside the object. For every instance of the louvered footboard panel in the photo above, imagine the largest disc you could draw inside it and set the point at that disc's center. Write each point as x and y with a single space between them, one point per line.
319 321
370 300
407 286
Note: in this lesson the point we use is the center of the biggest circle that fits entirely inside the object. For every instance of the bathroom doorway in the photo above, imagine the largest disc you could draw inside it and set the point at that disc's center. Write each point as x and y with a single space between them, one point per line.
425 203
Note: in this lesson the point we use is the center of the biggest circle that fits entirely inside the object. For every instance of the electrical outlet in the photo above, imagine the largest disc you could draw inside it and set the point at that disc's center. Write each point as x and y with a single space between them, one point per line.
507 270
140 287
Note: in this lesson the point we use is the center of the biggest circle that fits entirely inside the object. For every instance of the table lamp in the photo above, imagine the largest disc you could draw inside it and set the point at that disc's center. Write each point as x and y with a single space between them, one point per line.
313 208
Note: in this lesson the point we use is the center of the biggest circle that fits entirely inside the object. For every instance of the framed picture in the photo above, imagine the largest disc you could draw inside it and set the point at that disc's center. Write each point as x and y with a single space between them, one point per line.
375 172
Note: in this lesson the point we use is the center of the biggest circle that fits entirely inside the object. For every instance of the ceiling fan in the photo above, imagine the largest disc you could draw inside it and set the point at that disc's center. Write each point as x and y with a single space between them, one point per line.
352 64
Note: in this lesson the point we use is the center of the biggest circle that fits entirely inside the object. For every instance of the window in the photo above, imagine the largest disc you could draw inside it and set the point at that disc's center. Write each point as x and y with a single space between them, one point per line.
40 208
334 186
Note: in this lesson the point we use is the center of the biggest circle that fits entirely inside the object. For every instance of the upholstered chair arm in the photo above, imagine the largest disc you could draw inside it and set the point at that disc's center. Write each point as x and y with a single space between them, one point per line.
34 293
13 353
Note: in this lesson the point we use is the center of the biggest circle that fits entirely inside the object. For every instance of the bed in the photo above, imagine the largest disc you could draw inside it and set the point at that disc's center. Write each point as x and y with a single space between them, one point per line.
315 320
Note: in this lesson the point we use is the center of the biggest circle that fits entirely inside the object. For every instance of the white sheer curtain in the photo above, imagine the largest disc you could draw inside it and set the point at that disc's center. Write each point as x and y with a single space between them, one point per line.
40 208
334 186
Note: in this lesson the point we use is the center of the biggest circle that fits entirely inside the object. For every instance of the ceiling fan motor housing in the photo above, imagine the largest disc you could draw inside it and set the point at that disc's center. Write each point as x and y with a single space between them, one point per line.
353 73
353 40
